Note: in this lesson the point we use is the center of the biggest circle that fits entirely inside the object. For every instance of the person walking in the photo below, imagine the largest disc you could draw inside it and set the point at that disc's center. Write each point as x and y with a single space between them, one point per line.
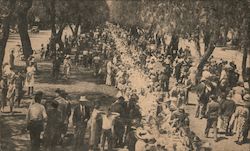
36 116
80 119
212 113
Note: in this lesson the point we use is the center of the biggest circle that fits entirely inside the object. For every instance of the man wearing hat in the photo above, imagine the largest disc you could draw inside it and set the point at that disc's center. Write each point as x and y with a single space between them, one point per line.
80 119
212 113
36 116
242 116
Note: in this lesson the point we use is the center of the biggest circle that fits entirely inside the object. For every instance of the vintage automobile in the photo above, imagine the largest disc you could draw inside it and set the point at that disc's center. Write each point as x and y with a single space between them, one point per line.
34 29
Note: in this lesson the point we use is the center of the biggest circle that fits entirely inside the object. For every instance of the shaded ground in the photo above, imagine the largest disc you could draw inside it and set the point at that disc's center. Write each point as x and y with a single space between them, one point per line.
13 134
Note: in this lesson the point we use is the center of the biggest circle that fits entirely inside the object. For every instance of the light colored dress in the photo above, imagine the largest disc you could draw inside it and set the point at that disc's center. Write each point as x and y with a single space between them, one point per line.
242 115
30 76
109 73
93 127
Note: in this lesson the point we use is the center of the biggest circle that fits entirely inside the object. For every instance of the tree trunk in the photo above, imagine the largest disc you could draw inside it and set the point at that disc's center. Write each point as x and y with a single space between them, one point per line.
225 36
245 44
3 40
4 36
206 39
52 13
244 63
23 31
208 52
197 45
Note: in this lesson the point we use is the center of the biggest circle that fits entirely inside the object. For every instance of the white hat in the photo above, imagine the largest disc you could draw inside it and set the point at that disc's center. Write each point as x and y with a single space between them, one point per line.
67 56
83 99
119 94
246 97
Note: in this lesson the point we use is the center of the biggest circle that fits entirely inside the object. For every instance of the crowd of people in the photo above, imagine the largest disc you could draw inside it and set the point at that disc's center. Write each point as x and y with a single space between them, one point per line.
154 81
14 80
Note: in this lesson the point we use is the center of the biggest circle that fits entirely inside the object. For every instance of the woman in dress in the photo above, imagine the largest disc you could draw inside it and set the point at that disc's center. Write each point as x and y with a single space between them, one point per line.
11 94
109 73
67 66
30 78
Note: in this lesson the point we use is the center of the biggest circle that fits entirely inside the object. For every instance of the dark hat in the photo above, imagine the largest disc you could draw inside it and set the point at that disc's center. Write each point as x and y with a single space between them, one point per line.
58 90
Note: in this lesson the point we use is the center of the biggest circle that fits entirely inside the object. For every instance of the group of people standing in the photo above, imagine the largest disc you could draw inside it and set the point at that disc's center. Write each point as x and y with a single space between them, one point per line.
14 80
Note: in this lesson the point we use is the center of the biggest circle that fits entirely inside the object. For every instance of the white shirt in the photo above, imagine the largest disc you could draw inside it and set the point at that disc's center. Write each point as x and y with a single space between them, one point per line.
140 145
36 111
107 122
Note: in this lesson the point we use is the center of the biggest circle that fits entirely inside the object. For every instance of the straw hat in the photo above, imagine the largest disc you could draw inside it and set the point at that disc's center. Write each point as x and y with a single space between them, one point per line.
246 97
83 99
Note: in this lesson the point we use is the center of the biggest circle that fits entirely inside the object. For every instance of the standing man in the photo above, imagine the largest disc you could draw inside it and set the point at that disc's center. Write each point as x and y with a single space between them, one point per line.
212 113
12 59
19 83
65 111
36 116
119 106
107 126
81 116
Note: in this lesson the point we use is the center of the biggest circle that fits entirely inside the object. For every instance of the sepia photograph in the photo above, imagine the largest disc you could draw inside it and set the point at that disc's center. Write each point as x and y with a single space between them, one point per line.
124 75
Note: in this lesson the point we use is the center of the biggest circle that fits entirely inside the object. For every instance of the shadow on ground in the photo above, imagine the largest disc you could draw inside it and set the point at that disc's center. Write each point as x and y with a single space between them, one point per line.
77 74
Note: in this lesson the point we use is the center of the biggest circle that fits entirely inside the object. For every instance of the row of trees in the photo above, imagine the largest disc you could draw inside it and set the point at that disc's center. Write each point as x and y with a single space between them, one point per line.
58 14
195 20
15 10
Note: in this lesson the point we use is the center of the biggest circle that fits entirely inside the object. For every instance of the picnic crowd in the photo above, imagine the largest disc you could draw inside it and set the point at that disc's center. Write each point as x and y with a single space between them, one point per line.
154 82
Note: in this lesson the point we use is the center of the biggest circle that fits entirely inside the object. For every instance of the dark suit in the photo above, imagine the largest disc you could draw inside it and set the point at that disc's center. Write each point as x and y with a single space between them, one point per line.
81 116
